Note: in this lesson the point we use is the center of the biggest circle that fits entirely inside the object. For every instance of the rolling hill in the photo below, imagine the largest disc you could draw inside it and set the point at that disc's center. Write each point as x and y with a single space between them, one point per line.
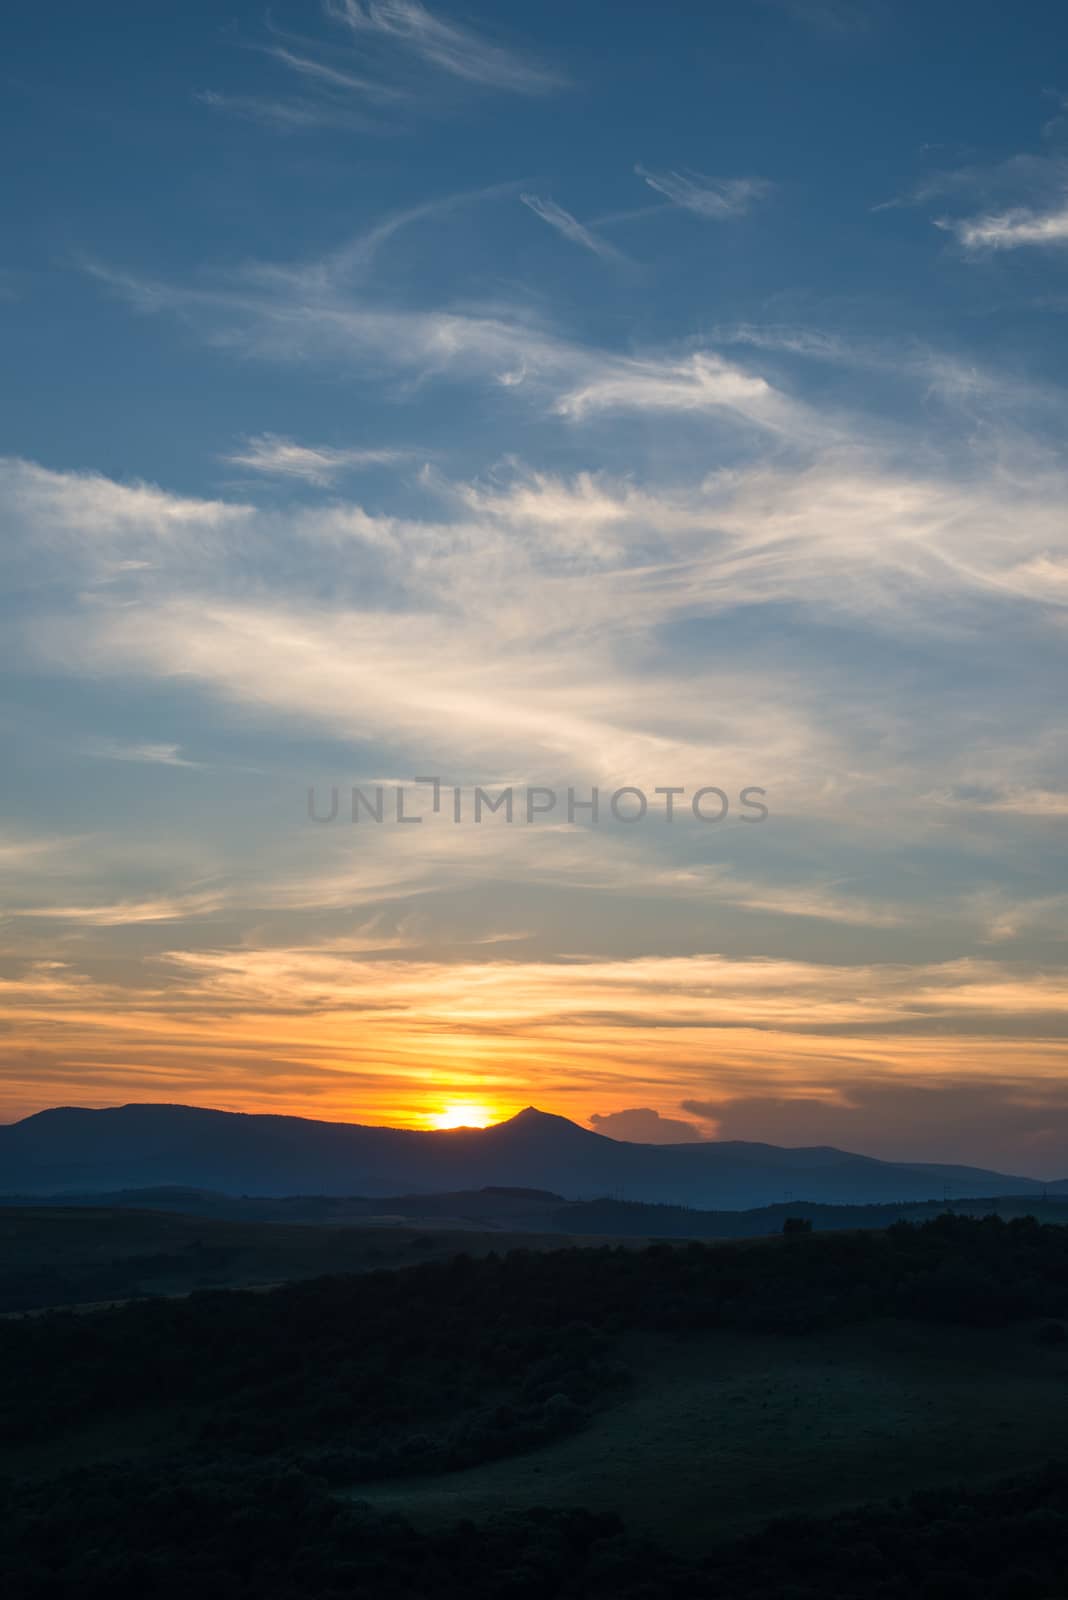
72 1149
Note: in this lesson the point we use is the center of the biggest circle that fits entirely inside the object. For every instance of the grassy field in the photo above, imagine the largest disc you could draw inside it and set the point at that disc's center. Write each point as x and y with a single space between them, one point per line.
722 1432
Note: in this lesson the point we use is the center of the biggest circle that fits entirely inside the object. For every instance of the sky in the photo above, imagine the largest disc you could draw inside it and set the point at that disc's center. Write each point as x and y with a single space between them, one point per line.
551 398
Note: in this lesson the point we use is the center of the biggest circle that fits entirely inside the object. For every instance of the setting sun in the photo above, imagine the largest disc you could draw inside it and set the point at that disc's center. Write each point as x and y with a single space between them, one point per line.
465 1114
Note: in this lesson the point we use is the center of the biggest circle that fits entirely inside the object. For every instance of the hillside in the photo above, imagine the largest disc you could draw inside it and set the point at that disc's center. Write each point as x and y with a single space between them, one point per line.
71 1149
560 1425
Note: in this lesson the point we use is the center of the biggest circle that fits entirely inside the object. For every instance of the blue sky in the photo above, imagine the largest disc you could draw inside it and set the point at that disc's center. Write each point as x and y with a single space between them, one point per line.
572 395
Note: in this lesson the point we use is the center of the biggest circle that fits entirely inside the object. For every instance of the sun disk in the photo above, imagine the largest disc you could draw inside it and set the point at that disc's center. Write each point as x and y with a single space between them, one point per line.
462 1115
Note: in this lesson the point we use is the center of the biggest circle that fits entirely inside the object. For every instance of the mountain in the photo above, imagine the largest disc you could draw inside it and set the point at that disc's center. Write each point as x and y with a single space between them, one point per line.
72 1149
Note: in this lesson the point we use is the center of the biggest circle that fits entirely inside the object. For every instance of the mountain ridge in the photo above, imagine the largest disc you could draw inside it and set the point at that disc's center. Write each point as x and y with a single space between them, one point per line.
137 1145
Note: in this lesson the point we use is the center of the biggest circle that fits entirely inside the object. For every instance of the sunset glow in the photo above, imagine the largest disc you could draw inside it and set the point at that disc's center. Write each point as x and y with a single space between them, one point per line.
463 1115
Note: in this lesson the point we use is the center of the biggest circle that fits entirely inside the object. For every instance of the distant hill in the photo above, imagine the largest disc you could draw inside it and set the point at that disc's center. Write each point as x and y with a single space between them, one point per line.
510 1214
71 1150
492 1207
624 1219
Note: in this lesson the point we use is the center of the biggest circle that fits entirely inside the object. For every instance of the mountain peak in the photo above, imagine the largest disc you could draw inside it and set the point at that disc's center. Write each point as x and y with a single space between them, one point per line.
534 1124
532 1117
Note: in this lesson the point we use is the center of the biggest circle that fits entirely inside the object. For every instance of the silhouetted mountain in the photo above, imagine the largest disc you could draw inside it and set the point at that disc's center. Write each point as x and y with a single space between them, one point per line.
71 1149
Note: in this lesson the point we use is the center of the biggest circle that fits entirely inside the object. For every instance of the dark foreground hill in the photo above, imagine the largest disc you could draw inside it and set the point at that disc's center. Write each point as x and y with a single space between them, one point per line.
95 1253
647 1418
71 1149
53 1256
272 1534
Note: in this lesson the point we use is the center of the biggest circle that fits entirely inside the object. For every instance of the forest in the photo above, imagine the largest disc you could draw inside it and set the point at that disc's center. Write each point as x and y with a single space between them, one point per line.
220 1440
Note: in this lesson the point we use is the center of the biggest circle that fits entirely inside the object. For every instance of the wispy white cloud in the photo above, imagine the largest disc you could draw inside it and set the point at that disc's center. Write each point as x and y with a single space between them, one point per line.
1010 230
338 78
570 227
821 904
301 314
392 70
448 46
333 92
275 456
1016 203
969 388
335 271
95 506
532 620
1026 179
700 382
309 314
142 752
718 199
124 913
285 115
700 991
